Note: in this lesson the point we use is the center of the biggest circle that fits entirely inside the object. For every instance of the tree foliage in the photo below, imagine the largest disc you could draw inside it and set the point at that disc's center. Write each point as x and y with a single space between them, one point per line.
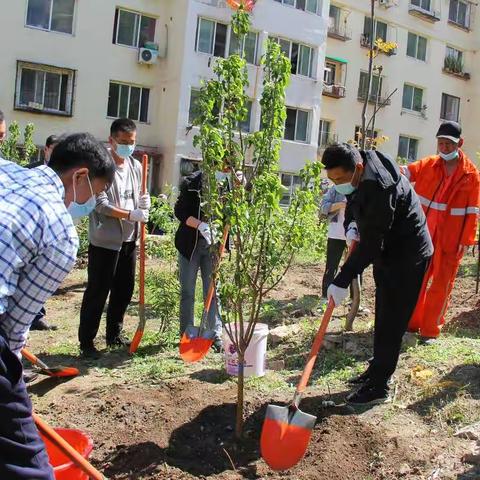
12 148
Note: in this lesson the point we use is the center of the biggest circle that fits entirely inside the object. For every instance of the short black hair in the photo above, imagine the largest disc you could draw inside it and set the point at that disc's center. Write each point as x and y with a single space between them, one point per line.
52 140
341 155
122 125
2 117
83 150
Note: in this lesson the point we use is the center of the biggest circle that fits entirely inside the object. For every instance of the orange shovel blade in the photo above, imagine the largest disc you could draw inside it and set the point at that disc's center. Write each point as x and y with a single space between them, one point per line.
193 349
60 371
285 437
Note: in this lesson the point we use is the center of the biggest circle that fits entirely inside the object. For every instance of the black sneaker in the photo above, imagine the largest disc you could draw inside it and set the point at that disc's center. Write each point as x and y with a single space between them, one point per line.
90 352
368 395
359 379
41 324
217 345
118 341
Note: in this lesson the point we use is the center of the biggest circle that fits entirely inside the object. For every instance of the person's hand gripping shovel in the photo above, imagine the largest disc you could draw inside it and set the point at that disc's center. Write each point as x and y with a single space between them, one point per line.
287 430
197 341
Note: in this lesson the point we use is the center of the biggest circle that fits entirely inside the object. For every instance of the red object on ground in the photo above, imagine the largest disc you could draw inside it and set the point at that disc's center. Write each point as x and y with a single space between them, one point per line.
63 467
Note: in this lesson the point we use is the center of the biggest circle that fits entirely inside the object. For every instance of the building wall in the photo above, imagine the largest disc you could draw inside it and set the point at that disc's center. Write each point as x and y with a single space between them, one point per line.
398 69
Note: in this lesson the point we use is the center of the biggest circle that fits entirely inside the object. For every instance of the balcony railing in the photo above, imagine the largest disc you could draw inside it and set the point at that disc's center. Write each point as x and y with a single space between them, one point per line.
375 99
340 32
430 15
334 91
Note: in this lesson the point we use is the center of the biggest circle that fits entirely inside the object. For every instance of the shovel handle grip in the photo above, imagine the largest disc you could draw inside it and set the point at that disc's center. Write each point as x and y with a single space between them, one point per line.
33 359
317 343
67 449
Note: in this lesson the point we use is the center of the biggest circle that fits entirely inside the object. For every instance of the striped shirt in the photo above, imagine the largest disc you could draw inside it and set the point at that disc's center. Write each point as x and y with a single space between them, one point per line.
38 245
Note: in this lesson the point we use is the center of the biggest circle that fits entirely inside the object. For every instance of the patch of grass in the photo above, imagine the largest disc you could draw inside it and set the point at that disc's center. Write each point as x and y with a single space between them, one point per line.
335 367
155 368
67 348
272 381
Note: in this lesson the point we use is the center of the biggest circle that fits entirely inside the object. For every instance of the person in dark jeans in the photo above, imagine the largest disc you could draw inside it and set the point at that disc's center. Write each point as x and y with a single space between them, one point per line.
113 233
40 323
193 240
393 235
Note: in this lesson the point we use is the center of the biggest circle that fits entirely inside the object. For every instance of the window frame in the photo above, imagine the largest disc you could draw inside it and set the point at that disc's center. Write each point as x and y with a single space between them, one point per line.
291 187
411 109
365 33
410 139
118 11
130 86
42 67
277 39
417 42
212 46
468 7
442 112
430 9
324 134
319 4
256 52
49 29
308 128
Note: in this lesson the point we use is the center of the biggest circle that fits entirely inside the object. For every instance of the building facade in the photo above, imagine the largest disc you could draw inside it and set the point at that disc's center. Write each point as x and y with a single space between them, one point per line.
431 76
76 65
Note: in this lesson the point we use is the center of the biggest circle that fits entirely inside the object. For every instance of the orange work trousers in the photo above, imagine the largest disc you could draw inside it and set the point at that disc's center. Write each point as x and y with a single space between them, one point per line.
429 315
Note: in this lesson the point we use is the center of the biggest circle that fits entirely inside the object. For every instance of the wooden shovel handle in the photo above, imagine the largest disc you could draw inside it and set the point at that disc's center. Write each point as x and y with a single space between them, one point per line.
317 343
67 449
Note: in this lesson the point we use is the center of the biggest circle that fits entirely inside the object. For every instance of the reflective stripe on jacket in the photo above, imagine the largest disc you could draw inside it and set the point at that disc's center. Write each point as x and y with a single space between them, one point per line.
457 210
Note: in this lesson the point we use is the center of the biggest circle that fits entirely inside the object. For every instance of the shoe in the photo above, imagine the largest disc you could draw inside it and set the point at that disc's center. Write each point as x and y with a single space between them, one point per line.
41 324
428 341
90 352
29 376
217 346
369 394
119 341
359 379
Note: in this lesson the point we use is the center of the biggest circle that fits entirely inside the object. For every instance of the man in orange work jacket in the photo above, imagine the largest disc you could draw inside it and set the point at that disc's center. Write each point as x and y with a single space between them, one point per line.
448 185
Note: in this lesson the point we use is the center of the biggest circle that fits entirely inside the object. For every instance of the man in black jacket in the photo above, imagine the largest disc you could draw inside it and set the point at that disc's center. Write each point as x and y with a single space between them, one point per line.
193 240
393 236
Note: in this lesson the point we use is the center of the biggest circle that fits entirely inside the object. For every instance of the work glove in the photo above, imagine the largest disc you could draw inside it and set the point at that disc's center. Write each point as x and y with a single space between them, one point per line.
338 294
138 215
206 232
144 202
352 234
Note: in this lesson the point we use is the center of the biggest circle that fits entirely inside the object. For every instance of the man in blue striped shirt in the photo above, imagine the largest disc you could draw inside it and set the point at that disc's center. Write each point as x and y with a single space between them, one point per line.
38 246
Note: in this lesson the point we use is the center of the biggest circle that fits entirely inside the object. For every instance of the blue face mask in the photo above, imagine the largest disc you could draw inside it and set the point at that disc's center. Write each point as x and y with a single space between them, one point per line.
448 157
78 210
345 188
124 151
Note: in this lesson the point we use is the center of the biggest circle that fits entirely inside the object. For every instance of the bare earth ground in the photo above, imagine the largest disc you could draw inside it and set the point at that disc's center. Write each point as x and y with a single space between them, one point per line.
152 417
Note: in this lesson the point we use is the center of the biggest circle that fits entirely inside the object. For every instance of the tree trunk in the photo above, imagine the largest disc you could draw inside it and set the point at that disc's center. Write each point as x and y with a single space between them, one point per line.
240 396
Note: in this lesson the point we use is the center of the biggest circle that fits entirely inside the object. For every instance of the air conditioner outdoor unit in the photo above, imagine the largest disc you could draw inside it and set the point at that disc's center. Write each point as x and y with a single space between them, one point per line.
147 56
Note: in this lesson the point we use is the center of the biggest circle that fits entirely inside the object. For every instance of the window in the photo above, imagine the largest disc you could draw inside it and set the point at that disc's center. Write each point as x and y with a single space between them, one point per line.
459 13
296 125
291 183
450 107
211 37
306 5
245 126
417 46
370 134
133 29
330 73
300 56
128 101
193 110
251 42
53 15
375 86
44 88
453 60
381 30
335 16
412 98
324 133
407 148
423 4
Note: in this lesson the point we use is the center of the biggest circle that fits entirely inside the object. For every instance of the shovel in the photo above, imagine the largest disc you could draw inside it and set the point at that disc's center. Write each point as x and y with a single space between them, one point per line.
196 341
46 370
141 289
286 431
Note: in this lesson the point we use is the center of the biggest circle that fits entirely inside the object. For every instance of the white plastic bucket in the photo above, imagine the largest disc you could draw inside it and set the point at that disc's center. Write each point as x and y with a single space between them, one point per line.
255 356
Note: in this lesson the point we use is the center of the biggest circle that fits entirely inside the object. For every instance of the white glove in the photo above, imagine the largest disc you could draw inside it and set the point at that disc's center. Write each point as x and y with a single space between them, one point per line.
144 202
352 234
138 215
338 294
207 234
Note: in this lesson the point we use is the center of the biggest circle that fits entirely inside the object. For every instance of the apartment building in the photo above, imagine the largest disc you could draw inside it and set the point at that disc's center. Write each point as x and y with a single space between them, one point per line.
71 65
433 75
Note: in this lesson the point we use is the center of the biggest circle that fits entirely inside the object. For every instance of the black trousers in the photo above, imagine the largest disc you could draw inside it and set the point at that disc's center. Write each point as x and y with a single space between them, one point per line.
335 250
398 286
22 452
111 272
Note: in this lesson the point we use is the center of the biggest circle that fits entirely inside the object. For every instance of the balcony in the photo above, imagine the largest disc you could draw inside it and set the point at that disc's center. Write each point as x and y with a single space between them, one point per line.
334 91
429 15
339 32
375 99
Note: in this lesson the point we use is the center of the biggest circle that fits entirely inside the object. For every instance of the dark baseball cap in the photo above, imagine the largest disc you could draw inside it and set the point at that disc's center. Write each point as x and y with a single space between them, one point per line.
450 130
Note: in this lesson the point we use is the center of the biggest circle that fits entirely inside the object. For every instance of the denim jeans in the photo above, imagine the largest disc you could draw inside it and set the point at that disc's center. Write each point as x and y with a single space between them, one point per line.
188 271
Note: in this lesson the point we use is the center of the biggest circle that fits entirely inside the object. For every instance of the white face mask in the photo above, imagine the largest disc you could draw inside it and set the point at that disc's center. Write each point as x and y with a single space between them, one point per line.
449 156
78 210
